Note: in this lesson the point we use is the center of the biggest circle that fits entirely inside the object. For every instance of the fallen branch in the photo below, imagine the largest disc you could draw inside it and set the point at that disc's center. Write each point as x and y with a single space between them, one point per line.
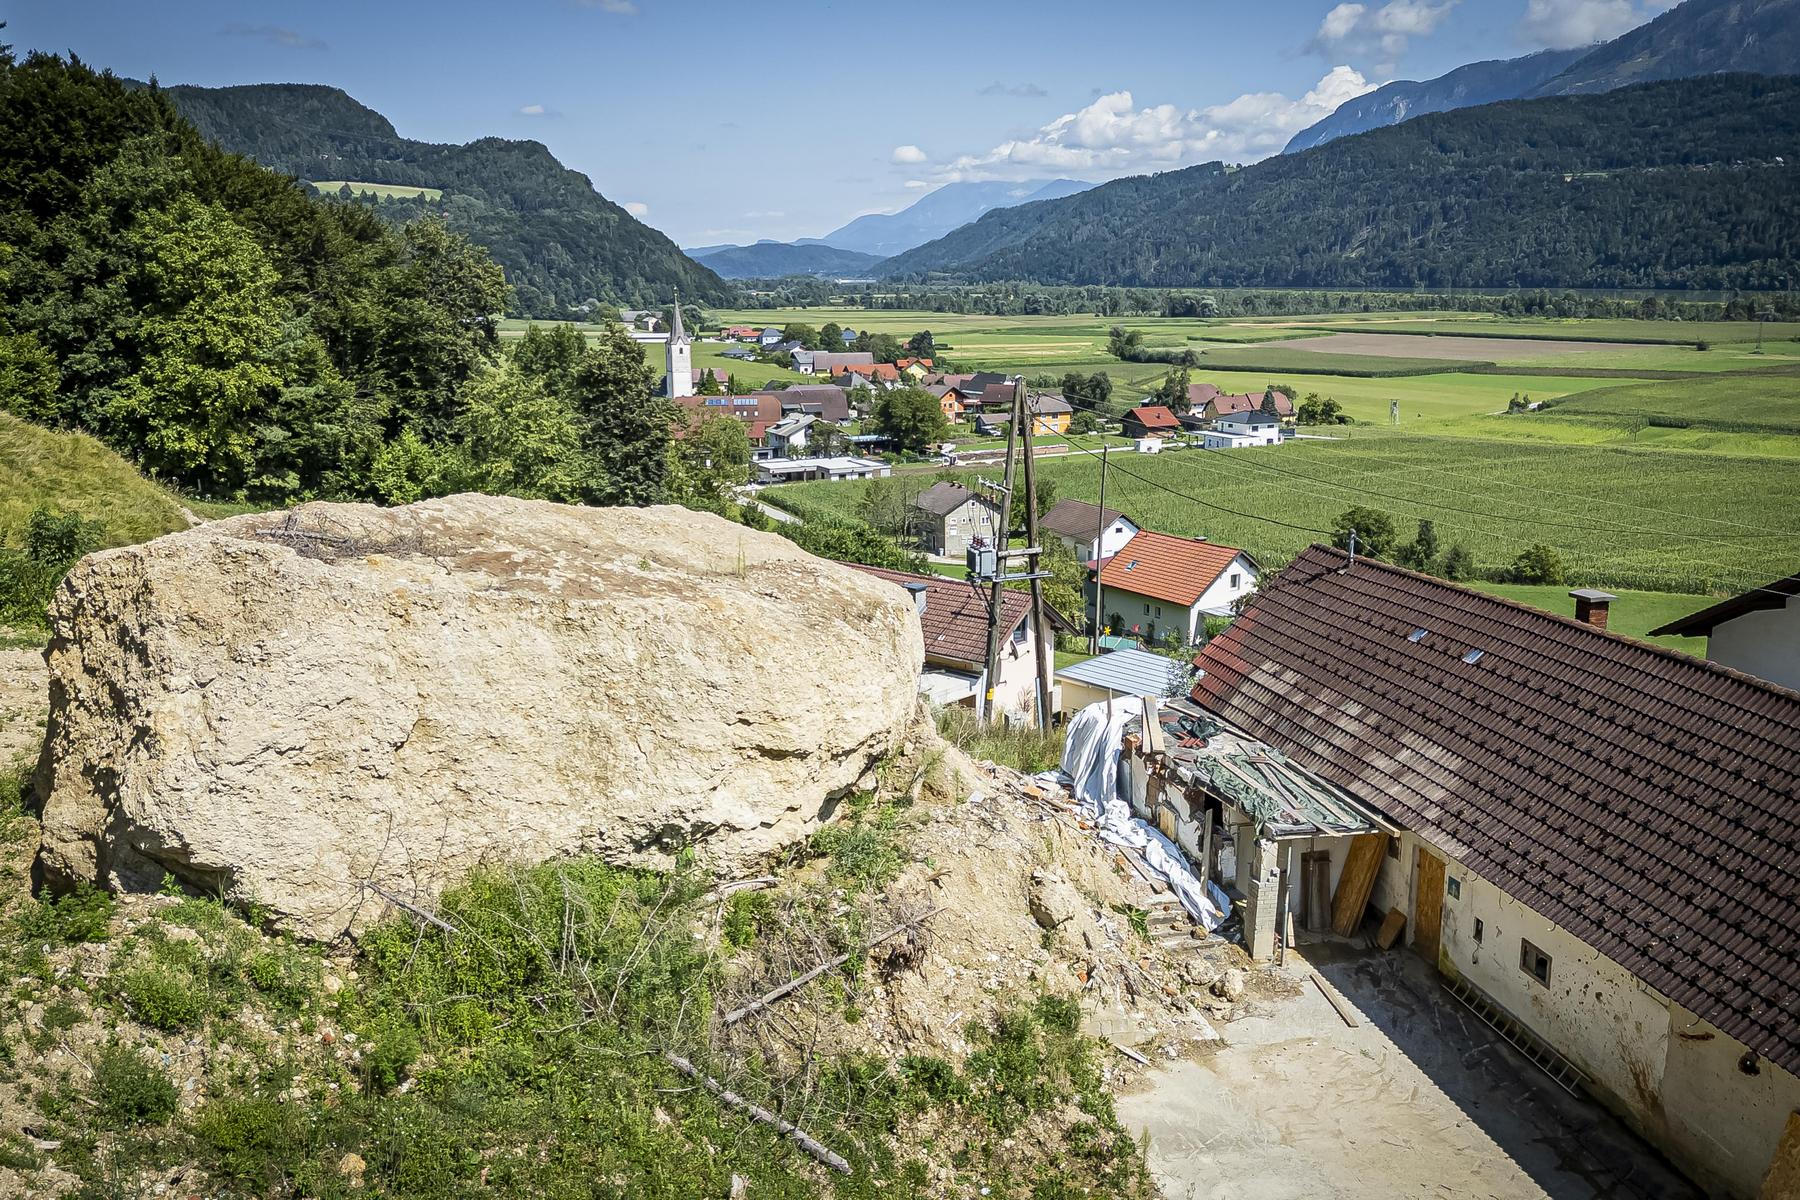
759 1114
795 984
414 909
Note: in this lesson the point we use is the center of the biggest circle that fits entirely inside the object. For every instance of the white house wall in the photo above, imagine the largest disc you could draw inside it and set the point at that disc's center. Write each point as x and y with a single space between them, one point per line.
1683 1093
1765 644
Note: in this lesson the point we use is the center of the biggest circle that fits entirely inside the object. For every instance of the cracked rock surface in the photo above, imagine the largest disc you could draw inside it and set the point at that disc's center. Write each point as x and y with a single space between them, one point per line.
327 710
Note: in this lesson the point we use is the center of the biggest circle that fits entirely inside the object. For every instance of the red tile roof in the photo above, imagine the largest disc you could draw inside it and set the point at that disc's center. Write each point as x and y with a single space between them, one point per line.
1153 416
955 616
1644 800
1164 567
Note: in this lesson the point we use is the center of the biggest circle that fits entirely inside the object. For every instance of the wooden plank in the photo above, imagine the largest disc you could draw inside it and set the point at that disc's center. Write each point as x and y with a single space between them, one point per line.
1356 883
1343 1009
1428 904
1391 926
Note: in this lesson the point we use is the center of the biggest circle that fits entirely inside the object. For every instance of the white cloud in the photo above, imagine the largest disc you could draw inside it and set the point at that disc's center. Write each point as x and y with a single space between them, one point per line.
619 8
917 183
1385 31
1024 90
531 110
1112 136
907 154
275 35
636 208
1560 24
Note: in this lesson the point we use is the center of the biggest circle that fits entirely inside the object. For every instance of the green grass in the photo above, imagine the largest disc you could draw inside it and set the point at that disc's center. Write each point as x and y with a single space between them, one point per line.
1579 329
1277 360
1648 519
1633 614
1765 403
381 191
74 473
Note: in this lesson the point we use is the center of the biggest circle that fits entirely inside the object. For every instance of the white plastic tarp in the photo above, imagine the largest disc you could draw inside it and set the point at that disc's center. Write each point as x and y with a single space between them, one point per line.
1091 761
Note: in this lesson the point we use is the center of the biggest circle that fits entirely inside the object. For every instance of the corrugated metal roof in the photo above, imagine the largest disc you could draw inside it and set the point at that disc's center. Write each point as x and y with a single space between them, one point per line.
1647 801
1130 673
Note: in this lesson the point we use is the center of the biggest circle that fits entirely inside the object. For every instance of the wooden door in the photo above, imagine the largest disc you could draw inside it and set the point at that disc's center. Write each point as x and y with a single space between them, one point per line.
1428 903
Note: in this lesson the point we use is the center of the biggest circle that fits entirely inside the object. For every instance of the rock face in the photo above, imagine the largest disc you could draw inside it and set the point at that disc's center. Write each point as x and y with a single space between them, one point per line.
311 709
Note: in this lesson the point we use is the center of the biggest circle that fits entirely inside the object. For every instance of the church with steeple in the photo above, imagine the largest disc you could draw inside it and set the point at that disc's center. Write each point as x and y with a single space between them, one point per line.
680 379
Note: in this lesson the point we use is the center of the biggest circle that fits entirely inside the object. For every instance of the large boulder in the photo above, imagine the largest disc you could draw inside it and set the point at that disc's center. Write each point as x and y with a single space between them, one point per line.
325 710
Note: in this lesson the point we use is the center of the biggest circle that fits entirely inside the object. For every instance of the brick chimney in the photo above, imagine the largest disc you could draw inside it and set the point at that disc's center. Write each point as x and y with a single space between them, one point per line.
1591 606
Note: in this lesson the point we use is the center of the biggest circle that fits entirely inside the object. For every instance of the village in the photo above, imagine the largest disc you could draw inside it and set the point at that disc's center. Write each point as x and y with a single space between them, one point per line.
1586 841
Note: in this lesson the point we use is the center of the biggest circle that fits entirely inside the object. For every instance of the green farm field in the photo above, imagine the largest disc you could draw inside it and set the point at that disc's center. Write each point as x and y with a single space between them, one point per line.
381 191
1653 520
1633 614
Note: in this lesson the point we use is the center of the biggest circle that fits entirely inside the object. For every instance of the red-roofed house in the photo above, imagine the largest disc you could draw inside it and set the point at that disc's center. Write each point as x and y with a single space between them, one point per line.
757 411
1159 585
1221 405
1150 420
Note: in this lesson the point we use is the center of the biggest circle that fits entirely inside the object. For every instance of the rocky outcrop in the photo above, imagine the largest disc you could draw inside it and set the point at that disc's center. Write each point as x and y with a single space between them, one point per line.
325 710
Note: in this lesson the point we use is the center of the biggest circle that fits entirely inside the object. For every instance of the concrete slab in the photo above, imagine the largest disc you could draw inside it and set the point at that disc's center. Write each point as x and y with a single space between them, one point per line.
1420 1099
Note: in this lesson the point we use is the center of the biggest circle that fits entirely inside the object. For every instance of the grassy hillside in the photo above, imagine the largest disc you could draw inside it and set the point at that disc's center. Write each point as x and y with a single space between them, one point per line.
74 473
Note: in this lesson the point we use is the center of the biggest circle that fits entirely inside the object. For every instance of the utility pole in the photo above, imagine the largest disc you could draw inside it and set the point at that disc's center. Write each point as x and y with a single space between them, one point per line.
1099 536
1040 630
1003 537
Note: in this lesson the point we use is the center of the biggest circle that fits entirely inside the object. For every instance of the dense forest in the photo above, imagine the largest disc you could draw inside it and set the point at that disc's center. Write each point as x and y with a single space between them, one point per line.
1686 184
561 242
236 336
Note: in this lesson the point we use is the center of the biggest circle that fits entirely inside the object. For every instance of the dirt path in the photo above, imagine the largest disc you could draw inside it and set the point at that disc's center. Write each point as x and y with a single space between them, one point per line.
1411 1102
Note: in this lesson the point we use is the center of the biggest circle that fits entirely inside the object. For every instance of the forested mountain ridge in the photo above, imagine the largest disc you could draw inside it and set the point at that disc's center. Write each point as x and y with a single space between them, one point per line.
560 242
772 260
1667 185
1698 37
1476 83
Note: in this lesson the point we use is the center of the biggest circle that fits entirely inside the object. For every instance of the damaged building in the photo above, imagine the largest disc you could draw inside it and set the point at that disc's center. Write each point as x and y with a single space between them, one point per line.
1596 841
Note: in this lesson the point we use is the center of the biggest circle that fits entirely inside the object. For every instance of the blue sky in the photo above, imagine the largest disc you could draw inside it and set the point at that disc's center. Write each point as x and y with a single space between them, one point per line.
729 122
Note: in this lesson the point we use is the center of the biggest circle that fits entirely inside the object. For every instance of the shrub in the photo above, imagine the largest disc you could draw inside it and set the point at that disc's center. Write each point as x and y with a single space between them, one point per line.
390 1047
253 1139
163 997
130 1091
745 915
82 915
28 576
1537 564
1375 532
1459 563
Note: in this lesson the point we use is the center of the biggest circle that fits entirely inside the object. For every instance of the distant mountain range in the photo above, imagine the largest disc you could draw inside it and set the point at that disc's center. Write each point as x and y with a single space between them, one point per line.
772 260
1674 184
1699 37
560 241
855 248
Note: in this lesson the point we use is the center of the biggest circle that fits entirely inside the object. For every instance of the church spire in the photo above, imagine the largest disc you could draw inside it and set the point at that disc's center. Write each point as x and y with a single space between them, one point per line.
676 332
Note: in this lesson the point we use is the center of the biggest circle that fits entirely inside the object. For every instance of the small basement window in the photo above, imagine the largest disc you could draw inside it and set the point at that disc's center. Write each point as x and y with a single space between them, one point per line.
1534 962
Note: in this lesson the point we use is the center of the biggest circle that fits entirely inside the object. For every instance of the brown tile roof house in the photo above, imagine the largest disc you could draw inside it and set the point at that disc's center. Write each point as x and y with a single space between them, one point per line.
825 400
1165 567
828 364
1221 405
1149 419
1646 801
1077 519
955 617
945 497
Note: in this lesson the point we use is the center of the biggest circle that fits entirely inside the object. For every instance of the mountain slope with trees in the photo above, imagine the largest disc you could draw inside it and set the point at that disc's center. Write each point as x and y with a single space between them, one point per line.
1465 87
772 260
560 242
1666 185
1699 37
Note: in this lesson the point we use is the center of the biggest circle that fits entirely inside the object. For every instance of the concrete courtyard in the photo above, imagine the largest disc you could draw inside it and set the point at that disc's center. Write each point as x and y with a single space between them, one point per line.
1420 1099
